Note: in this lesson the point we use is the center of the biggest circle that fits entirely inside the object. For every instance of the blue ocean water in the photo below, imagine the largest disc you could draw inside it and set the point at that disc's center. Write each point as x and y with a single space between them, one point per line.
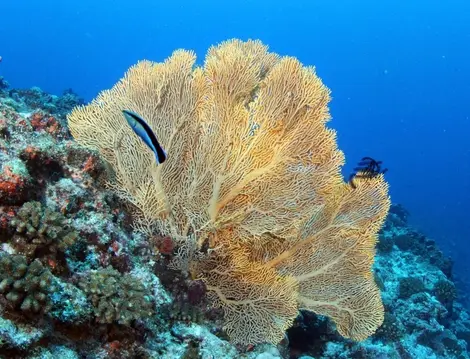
399 72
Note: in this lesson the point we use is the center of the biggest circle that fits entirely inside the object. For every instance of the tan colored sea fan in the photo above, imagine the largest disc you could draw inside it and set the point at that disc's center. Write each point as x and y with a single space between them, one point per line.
252 170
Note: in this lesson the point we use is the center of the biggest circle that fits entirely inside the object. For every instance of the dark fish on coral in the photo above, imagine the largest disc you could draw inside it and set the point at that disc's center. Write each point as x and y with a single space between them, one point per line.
366 168
143 130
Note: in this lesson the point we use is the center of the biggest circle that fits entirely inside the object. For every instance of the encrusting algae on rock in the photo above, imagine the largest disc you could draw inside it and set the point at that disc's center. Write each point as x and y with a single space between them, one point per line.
251 190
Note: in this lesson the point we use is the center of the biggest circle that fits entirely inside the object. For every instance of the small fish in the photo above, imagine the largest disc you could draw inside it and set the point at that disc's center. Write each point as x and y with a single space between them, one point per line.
140 127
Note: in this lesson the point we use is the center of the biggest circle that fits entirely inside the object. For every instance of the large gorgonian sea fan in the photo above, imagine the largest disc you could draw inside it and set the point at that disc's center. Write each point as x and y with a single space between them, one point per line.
253 172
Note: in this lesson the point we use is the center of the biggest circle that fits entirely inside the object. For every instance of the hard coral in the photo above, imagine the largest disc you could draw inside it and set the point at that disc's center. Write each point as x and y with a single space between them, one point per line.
46 123
252 189
409 286
408 242
25 286
41 233
445 291
189 300
116 297
391 330
35 98
417 243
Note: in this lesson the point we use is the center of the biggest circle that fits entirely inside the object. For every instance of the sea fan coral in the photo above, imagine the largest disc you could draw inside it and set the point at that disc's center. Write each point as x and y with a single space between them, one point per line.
253 178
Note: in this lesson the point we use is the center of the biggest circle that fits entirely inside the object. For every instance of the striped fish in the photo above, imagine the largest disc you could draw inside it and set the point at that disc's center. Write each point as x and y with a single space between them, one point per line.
140 127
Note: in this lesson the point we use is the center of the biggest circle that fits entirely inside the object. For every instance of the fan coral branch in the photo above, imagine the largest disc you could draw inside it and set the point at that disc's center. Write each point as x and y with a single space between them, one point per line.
252 170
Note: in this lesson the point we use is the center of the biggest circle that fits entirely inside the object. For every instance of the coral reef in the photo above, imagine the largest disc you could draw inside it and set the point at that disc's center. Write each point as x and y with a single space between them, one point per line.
77 280
409 286
35 98
58 225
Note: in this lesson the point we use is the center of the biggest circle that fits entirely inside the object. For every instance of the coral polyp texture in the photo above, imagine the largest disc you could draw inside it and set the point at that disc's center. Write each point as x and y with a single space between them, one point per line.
251 190
116 297
25 286
39 229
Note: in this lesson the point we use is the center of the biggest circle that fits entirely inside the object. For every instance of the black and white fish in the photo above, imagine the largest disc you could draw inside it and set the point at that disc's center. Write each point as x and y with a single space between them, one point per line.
143 130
